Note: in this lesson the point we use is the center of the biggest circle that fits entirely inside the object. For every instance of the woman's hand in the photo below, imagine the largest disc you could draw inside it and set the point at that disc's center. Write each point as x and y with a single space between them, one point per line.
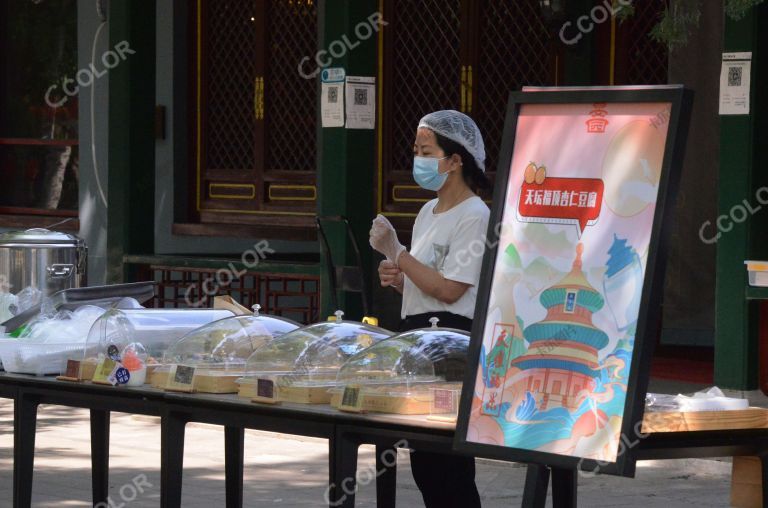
384 238
430 281
390 274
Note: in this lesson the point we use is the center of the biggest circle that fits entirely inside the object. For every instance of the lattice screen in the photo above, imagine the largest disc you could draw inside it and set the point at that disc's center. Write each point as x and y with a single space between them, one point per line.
291 100
231 69
258 114
293 296
426 68
514 50
648 60
458 54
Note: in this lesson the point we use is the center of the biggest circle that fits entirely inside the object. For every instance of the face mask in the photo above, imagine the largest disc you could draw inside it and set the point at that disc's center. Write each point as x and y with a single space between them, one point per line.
426 174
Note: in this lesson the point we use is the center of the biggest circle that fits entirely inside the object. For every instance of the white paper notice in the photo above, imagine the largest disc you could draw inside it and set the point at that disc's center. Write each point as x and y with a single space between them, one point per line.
332 97
333 105
735 79
361 102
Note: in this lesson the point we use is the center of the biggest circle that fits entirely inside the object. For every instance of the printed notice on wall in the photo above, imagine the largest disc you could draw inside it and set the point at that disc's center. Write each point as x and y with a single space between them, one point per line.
735 80
361 102
332 97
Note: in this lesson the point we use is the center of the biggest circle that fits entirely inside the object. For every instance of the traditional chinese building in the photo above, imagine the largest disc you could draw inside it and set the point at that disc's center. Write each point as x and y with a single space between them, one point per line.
200 125
561 361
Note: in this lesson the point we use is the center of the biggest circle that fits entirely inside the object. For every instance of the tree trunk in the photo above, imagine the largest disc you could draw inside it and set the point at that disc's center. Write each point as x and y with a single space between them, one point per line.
56 160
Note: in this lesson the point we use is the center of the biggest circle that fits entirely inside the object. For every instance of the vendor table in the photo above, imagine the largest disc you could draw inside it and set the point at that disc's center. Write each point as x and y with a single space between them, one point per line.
29 392
346 432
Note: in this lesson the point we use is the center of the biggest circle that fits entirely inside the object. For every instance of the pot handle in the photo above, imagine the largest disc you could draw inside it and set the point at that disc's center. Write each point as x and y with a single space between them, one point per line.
60 271
82 258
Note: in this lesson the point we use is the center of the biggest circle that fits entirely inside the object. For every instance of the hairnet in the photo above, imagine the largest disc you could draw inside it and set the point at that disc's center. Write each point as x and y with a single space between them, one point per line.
460 128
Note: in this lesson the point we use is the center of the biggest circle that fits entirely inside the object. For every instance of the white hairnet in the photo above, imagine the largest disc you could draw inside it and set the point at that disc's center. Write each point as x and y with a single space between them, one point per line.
460 128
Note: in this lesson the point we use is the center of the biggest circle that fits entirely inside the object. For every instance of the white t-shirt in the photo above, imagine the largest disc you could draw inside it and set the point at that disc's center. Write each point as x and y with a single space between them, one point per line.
453 243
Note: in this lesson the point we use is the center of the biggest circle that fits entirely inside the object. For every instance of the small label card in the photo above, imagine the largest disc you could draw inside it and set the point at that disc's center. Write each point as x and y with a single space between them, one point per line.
444 401
445 405
351 399
181 378
72 373
266 391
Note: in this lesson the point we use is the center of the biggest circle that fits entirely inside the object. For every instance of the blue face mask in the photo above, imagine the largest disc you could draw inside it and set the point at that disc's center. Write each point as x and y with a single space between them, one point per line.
426 173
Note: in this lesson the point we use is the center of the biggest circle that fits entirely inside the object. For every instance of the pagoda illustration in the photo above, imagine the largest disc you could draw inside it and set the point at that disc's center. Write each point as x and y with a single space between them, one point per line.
561 363
623 283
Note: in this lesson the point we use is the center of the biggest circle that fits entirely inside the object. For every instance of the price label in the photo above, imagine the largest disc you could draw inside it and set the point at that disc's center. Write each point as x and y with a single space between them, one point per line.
265 388
444 401
72 372
444 406
181 378
73 369
266 391
351 399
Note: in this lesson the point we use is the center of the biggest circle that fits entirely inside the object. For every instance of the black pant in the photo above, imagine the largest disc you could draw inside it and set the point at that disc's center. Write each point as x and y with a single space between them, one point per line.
445 481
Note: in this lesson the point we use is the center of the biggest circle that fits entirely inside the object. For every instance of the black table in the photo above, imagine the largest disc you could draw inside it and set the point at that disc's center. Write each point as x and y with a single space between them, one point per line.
346 432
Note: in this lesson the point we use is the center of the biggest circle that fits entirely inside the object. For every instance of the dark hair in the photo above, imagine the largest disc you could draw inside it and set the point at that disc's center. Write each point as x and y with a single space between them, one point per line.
472 174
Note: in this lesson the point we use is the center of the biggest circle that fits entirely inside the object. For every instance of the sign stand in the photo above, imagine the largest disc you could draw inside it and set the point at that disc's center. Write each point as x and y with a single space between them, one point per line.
570 288
564 487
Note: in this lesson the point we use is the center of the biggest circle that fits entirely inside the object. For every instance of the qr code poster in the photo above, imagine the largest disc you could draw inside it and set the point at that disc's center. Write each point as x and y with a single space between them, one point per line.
332 105
361 102
735 89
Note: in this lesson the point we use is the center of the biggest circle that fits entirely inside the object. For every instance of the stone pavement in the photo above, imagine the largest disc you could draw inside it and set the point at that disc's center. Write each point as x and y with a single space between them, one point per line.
289 471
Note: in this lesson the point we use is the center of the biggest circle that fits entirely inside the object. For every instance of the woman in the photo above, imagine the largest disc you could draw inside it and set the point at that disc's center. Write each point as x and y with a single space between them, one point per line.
439 276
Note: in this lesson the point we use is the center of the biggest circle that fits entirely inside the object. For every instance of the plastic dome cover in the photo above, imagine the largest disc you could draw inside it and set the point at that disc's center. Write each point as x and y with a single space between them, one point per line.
312 354
277 325
412 361
155 329
224 344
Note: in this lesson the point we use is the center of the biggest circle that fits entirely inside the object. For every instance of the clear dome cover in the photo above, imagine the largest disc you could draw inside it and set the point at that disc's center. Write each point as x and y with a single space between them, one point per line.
223 345
277 325
218 351
155 329
304 363
139 337
400 374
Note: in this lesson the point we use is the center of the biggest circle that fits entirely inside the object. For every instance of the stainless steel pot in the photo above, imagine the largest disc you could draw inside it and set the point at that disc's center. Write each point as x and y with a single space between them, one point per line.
47 260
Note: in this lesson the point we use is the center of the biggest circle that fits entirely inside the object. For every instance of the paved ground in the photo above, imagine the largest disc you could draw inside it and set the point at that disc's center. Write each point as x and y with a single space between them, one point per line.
290 471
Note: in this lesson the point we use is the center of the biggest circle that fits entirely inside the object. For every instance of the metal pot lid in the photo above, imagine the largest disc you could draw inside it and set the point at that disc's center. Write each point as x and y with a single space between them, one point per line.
39 236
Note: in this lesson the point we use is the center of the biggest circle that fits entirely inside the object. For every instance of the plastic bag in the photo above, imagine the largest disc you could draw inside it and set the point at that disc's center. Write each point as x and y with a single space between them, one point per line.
62 327
27 298
7 302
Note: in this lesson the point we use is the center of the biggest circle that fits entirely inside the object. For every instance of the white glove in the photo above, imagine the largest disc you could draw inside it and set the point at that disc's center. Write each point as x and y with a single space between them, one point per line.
384 239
